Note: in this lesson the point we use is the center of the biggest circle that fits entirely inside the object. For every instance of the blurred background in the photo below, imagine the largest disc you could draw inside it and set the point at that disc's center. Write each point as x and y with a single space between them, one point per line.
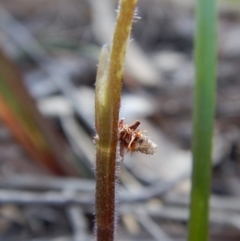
48 59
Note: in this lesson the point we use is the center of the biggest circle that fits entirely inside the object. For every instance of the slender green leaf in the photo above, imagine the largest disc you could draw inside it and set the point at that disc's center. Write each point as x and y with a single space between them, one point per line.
203 117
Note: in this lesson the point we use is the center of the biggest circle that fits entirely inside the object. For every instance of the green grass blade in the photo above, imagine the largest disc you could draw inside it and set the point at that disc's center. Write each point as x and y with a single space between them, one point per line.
203 117
20 114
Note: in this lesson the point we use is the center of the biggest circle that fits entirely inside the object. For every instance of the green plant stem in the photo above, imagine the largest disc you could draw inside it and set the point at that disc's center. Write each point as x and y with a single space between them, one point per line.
203 117
107 103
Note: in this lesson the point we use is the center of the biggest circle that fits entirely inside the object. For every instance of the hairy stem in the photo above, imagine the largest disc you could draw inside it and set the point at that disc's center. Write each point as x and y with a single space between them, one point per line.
107 104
